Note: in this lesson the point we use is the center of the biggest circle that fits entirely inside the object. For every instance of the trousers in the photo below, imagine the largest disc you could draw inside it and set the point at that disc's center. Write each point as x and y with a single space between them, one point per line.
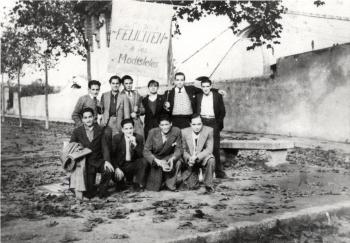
91 180
181 121
157 177
135 169
190 177
216 150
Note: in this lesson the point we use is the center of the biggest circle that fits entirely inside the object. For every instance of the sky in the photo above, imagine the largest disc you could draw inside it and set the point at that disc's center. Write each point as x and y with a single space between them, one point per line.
298 33
65 70
195 34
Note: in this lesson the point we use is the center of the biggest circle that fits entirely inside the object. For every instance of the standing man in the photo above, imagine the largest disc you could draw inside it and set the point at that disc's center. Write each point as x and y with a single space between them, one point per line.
127 150
197 144
89 100
90 135
153 104
115 106
210 106
163 152
181 102
135 103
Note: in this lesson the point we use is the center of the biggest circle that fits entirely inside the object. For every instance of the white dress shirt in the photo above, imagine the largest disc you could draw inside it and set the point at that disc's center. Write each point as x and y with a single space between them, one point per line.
194 138
164 138
127 148
207 106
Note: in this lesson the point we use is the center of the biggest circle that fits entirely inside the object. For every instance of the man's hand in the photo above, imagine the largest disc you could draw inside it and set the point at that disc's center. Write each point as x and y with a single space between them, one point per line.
132 140
192 160
222 92
158 162
108 166
133 115
167 105
119 174
170 163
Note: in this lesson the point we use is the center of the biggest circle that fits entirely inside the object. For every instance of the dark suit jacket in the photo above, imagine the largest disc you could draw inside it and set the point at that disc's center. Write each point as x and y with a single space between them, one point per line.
219 107
122 106
98 146
154 147
191 91
151 120
119 149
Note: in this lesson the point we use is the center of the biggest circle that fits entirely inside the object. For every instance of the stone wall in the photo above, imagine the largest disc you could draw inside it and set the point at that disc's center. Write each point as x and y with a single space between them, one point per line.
308 97
61 105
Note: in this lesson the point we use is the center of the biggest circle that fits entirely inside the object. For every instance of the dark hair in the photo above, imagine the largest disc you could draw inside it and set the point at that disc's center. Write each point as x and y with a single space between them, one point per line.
114 77
164 117
195 115
204 79
126 121
180 74
153 82
87 109
94 82
126 77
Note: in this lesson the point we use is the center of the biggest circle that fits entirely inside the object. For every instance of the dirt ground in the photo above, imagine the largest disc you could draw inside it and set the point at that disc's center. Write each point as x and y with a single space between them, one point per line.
253 192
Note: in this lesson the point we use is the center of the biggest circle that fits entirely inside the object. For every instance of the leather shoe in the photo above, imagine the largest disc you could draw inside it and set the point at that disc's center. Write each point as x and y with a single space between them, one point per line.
209 189
138 188
221 175
103 194
90 194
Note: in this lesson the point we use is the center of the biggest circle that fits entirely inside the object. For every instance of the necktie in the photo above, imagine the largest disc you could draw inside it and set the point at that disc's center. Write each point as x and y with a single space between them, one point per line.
97 108
195 145
180 90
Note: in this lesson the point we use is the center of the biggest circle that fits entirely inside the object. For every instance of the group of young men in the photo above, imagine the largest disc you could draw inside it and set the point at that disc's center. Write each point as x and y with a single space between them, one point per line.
180 135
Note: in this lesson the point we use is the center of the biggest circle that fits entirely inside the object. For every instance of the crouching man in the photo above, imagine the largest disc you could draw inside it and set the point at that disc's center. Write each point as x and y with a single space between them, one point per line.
163 152
90 135
127 152
198 143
